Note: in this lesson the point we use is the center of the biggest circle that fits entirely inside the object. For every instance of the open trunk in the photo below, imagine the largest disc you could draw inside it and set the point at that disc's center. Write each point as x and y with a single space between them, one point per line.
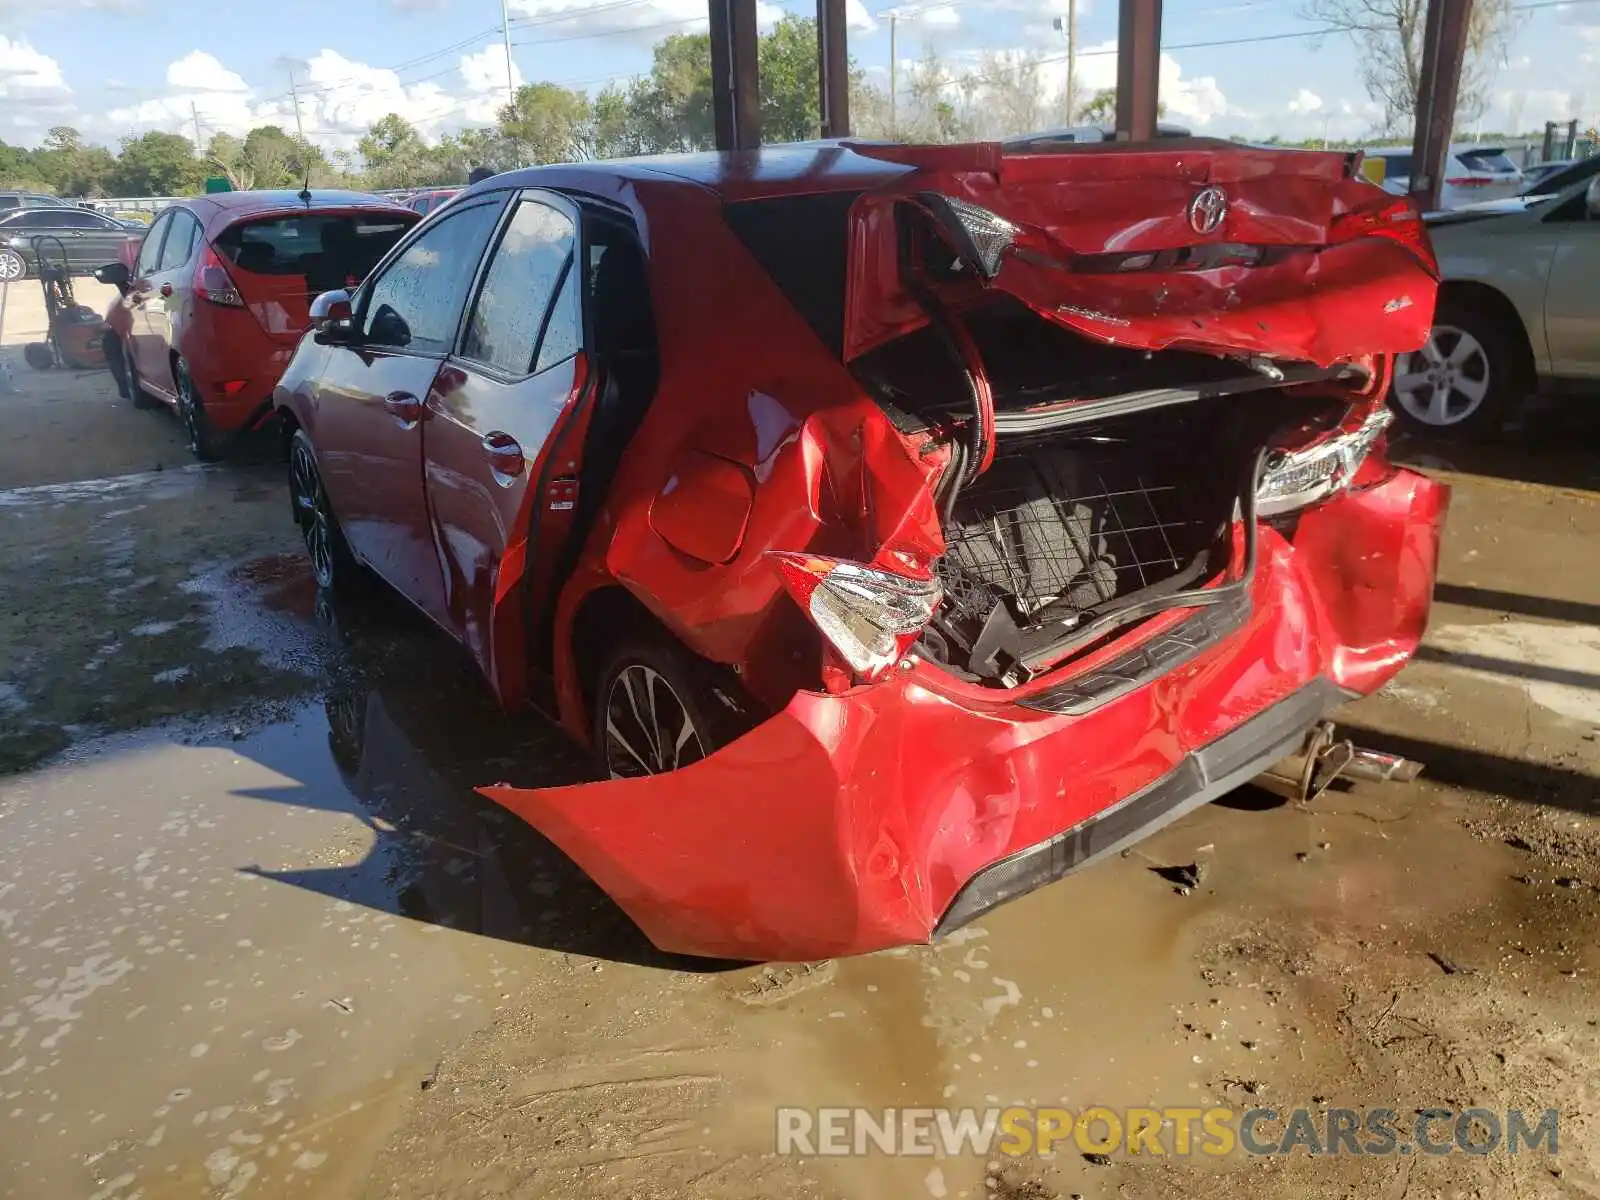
1115 484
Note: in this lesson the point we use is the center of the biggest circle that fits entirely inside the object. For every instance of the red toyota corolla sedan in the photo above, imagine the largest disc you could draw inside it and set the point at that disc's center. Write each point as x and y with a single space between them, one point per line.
903 527
219 293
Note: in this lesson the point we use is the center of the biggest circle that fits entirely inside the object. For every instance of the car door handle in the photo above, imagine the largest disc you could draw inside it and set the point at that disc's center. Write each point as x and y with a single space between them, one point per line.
505 457
166 289
405 408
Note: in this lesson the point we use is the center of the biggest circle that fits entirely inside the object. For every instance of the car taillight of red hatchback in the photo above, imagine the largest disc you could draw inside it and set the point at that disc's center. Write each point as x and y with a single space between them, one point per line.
902 527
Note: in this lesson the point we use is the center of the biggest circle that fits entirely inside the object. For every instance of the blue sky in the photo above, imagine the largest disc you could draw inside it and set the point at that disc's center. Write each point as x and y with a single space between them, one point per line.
112 67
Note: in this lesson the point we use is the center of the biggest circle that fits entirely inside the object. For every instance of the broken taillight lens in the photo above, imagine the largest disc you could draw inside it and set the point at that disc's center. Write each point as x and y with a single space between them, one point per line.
1398 221
872 617
211 282
980 237
1297 478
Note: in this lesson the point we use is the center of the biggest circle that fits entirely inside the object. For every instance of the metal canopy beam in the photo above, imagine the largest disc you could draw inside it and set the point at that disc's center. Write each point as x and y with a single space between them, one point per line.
1138 69
735 84
833 68
1444 47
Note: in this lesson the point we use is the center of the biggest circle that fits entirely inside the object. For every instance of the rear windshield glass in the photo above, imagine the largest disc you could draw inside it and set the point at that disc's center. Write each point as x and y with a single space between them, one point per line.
1487 160
331 249
802 242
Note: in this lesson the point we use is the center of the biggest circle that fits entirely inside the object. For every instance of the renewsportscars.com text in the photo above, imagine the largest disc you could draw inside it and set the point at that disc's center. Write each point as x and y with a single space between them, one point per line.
1179 1131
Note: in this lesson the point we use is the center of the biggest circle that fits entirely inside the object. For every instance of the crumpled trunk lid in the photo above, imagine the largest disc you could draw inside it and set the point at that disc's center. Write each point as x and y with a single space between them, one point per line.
1202 245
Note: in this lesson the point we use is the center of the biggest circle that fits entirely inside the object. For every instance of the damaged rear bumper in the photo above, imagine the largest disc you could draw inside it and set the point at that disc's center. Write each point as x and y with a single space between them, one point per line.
896 812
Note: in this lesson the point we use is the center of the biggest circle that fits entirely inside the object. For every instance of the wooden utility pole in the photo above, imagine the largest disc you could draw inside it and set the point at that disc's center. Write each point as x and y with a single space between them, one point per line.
834 76
199 144
894 72
294 95
735 77
505 28
1072 60
1444 47
1138 69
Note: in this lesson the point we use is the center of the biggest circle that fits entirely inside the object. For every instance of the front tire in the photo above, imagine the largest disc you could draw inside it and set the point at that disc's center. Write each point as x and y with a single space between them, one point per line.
332 564
652 711
13 267
1462 383
203 440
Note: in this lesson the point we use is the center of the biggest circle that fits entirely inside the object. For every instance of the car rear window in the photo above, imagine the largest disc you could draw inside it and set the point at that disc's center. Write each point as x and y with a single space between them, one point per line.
1487 159
332 248
802 242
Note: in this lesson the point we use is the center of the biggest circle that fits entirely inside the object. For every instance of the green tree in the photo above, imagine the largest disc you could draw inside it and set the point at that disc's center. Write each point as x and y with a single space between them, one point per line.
547 123
394 154
1102 107
791 108
156 164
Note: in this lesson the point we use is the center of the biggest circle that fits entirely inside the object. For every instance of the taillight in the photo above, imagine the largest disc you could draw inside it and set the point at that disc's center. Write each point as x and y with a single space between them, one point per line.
1398 221
1469 181
872 617
1297 478
211 282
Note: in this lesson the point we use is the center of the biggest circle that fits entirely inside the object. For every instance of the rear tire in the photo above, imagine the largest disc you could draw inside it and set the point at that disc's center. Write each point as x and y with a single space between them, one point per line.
203 440
332 565
653 711
1465 380
13 267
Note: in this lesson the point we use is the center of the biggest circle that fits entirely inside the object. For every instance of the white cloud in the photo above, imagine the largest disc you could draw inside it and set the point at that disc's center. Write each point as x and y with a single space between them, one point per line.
1305 101
1194 100
203 73
27 74
546 20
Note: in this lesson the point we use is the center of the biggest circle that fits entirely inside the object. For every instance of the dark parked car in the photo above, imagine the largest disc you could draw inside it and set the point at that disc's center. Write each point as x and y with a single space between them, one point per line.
88 239
10 200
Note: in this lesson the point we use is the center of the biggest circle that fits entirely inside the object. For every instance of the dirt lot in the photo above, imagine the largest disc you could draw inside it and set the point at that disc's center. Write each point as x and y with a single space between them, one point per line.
261 937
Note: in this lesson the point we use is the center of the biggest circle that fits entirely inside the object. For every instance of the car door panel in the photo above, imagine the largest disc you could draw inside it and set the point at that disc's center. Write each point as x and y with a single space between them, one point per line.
376 394
492 429
170 288
1572 303
148 349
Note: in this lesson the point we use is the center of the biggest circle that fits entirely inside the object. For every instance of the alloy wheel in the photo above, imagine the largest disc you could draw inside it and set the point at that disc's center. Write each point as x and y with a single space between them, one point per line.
1446 381
311 512
12 267
188 409
648 727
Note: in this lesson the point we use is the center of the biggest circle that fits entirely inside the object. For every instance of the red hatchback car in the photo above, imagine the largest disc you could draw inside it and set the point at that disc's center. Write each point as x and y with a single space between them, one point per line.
219 293
903 527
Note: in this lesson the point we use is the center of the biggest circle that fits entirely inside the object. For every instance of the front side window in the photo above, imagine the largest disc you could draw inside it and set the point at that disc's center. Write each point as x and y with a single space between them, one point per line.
416 302
180 241
150 248
523 278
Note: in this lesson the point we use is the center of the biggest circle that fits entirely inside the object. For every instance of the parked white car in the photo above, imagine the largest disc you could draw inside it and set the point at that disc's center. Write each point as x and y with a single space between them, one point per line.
1472 173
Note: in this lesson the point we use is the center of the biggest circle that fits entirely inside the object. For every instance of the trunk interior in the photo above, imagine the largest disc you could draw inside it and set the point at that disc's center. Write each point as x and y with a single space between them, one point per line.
1096 515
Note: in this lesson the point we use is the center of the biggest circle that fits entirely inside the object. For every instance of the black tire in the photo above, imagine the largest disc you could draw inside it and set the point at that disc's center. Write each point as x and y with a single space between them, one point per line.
140 397
1467 378
204 443
652 681
332 565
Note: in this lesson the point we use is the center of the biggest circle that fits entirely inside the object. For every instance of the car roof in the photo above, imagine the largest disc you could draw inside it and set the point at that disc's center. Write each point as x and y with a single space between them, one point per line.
233 205
789 168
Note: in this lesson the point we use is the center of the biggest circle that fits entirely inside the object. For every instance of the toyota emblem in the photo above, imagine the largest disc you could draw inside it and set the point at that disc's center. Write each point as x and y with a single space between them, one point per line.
1207 210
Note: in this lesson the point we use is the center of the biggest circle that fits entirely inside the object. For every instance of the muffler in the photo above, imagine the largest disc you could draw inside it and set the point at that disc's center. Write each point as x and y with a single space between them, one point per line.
1327 757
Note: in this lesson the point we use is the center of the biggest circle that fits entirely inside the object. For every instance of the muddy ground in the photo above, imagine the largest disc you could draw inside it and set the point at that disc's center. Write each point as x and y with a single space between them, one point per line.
261 937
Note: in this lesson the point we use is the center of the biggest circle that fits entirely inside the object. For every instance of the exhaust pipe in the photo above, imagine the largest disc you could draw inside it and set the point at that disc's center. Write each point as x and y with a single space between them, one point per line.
1327 757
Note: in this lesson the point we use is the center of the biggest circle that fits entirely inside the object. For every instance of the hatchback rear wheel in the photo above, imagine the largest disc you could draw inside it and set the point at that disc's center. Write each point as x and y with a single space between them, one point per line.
203 440
650 712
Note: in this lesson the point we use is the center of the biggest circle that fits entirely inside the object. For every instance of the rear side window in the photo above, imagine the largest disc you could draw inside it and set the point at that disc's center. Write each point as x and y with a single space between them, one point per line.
10 202
181 238
1492 159
803 244
329 250
150 249
523 277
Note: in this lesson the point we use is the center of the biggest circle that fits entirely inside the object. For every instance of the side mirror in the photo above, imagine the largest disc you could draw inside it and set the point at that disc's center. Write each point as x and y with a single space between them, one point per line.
1592 198
331 316
116 274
